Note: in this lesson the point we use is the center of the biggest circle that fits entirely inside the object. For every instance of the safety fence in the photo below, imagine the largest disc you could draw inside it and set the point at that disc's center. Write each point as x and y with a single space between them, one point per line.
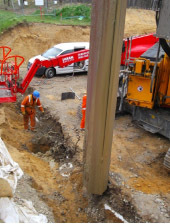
17 5
143 4
45 8
27 5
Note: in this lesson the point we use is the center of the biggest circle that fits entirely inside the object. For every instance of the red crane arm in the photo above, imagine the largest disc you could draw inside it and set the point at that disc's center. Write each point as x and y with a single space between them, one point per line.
62 61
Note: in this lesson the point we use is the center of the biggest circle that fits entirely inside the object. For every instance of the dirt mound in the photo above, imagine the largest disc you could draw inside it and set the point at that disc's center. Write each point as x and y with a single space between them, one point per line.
10 129
33 39
29 40
139 22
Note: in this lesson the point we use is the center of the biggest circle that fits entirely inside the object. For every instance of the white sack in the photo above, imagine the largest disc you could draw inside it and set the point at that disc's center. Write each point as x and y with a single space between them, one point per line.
9 170
10 212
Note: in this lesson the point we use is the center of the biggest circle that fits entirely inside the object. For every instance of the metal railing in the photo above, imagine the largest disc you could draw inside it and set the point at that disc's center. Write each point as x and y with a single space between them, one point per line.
144 4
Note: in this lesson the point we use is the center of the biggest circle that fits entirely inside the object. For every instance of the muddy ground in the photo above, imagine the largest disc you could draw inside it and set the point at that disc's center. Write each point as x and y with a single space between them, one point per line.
51 158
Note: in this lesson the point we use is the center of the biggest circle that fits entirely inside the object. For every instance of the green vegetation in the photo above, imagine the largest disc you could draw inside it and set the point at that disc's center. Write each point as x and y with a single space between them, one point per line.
68 15
7 19
74 12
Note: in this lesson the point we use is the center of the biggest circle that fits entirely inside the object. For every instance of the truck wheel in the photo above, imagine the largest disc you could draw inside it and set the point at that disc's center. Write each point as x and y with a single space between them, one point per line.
81 64
49 73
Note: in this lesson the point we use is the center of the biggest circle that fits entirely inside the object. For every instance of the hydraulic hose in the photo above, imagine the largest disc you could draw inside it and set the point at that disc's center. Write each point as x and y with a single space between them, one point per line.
154 69
165 46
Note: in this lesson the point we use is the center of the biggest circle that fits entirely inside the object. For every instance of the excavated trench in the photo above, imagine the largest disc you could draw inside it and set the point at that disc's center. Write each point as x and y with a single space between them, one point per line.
49 144
49 136
52 170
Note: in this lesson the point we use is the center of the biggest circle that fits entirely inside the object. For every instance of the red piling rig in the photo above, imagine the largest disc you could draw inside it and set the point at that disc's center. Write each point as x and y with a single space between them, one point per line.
9 73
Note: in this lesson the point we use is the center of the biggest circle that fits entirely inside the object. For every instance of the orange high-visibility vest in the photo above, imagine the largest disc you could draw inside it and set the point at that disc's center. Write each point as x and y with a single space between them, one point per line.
84 102
82 125
28 104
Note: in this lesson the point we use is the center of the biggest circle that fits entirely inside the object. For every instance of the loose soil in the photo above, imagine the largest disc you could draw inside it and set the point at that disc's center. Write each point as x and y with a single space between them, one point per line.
51 158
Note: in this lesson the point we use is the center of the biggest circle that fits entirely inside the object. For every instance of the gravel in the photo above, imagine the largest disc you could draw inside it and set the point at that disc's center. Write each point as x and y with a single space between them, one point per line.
25 191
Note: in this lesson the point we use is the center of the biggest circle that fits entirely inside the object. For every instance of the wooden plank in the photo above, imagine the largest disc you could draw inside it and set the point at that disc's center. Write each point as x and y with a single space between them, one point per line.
108 18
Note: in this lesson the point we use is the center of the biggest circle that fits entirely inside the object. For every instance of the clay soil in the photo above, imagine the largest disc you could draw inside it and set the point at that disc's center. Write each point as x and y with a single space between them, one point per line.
51 158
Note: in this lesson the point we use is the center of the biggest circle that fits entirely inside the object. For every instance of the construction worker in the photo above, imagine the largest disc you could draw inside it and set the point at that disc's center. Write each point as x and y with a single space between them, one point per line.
28 109
82 125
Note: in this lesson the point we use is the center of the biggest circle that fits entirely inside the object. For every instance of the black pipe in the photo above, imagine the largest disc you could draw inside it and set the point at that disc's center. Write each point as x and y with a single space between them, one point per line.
165 46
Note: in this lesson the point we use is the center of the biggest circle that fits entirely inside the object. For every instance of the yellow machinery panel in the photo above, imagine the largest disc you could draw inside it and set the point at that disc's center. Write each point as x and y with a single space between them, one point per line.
138 66
164 82
167 101
138 92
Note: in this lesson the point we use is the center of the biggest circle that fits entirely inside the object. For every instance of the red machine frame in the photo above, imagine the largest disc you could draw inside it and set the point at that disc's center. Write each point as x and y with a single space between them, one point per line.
136 46
10 72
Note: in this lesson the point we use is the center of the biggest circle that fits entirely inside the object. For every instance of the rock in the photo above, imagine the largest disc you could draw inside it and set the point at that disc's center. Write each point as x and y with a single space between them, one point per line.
163 210
48 153
120 158
154 217
62 213
39 154
158 200
79 209
5 190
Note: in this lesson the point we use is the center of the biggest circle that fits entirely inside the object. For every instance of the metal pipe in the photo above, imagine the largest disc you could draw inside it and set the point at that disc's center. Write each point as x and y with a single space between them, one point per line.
75 94
130 48
127 47
154 69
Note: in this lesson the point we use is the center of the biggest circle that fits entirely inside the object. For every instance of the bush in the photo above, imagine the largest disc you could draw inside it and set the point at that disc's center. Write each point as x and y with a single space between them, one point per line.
74 11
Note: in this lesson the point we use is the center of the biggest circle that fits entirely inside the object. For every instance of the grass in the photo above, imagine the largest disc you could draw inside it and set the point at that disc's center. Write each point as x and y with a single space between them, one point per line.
71 15
7 19
75 11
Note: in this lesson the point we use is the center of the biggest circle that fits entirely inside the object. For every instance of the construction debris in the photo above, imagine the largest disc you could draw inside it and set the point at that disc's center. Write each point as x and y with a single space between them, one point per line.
67 95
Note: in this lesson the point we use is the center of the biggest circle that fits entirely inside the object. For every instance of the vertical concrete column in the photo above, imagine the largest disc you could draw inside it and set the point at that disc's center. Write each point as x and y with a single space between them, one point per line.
107 29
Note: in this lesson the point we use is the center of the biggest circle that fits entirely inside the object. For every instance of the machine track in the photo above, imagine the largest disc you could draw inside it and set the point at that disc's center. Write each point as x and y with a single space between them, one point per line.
167 160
